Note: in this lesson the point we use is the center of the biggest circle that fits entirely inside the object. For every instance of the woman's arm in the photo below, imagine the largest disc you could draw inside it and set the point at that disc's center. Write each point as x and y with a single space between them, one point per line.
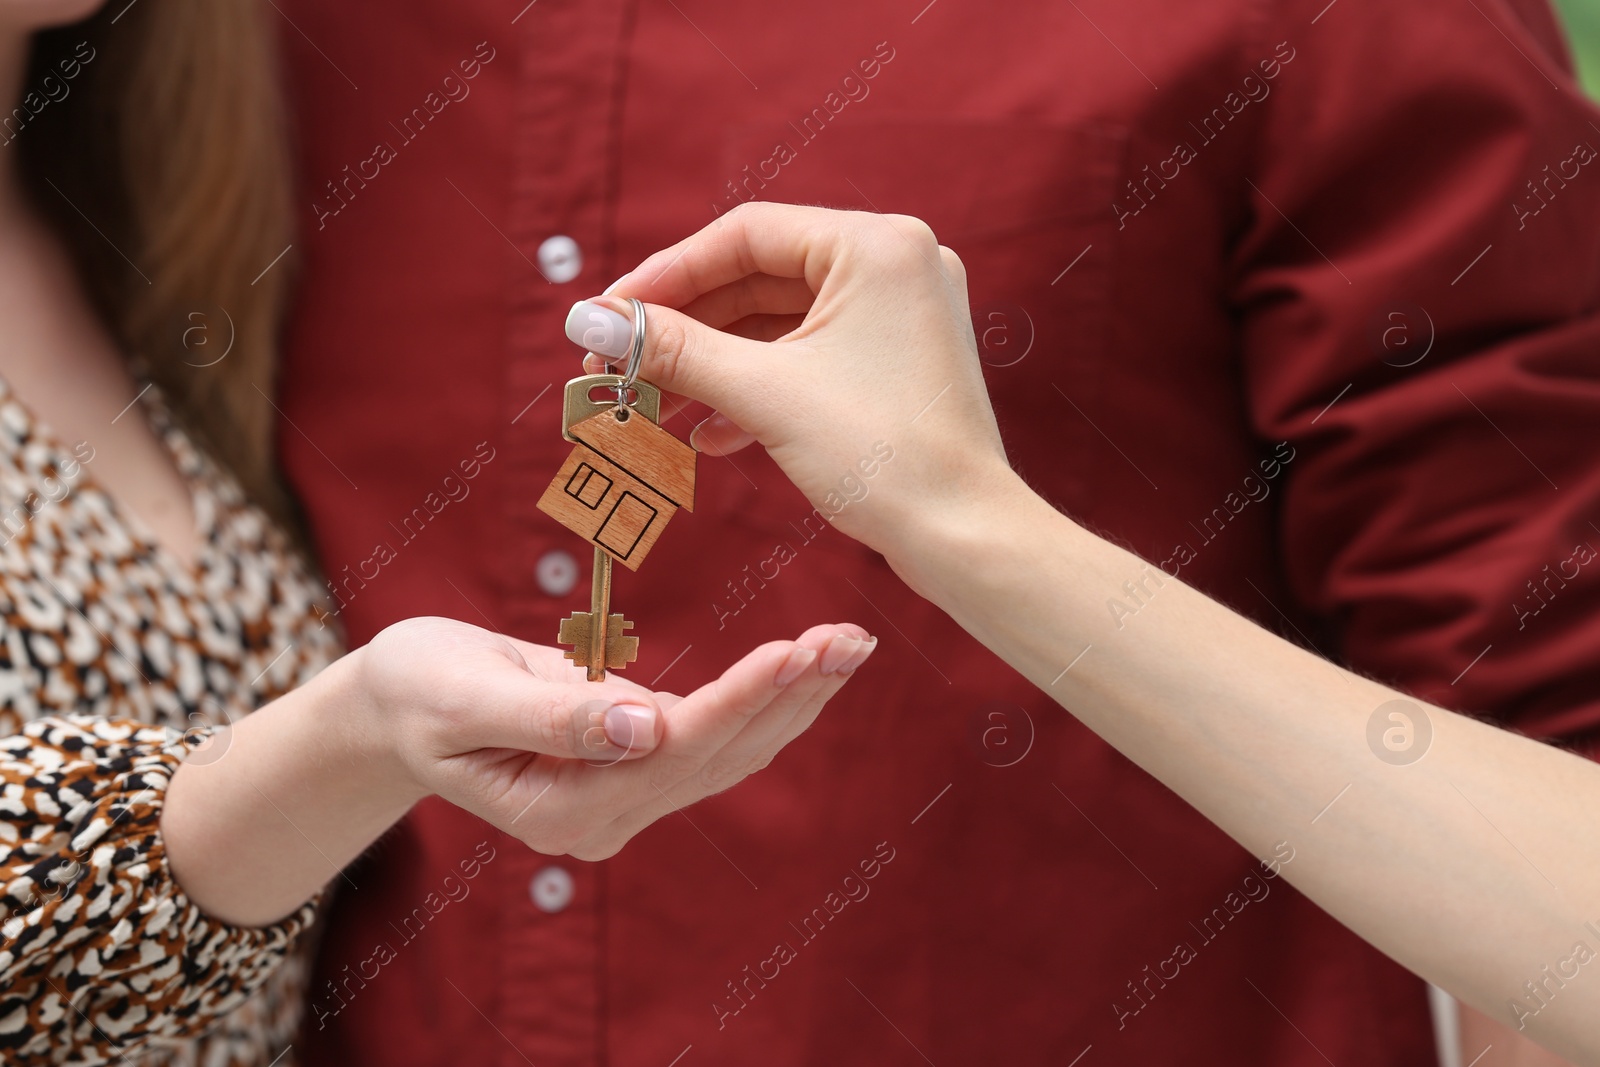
1476 865
265 813
100 952
150 887
504 729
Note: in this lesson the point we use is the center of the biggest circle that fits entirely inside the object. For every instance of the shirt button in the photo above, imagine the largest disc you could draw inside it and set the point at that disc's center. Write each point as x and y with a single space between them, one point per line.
560 258
552 889
557 573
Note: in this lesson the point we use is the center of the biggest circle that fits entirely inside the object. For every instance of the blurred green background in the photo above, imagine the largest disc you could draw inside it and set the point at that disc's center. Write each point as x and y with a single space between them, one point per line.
1583 26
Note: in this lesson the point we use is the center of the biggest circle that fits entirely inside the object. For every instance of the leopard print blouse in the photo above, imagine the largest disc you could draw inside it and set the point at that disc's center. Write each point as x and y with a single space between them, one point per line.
117 662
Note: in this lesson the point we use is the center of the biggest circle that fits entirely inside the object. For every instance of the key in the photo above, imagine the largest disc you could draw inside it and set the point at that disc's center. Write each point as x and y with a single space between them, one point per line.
596 635
622 484
581 401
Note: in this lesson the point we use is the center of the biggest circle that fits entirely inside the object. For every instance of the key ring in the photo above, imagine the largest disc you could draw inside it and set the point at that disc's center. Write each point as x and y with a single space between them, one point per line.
635 355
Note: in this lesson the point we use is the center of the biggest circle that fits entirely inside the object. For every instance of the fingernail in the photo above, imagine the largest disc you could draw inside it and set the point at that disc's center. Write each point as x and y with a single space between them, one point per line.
860 657
599 329
631 727
794 666
715 420
840 650
610 288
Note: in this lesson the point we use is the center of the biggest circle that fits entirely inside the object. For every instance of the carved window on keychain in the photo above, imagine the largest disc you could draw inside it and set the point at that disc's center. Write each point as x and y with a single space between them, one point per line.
622 484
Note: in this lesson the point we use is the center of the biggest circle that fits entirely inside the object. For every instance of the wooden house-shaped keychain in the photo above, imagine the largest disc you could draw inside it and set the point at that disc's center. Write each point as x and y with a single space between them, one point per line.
622 484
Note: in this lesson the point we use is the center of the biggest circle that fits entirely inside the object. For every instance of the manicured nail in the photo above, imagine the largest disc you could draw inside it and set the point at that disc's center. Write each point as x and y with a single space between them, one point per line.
612 287
794 666
860 657
599 329
631 727
715 421
841 650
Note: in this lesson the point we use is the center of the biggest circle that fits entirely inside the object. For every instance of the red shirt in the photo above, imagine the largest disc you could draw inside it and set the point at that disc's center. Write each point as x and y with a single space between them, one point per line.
1295 298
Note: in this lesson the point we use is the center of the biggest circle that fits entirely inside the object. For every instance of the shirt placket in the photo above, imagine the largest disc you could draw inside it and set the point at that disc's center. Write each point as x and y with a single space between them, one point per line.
570 69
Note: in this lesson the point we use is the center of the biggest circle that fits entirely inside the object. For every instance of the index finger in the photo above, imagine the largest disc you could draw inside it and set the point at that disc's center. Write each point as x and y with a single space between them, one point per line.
783 240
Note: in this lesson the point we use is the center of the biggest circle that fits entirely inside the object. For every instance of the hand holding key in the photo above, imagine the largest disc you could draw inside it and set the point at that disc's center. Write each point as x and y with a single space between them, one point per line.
833 338
511 732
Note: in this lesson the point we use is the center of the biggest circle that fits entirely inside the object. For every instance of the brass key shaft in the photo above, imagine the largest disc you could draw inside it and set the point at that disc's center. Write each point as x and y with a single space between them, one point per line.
599 606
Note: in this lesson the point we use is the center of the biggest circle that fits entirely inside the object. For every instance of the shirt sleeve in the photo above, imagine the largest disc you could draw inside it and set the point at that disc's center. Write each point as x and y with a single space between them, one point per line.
102 956
1416 281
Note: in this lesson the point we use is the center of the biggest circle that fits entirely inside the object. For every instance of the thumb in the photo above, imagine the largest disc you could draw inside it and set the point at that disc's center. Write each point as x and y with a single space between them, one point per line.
681 355
518 709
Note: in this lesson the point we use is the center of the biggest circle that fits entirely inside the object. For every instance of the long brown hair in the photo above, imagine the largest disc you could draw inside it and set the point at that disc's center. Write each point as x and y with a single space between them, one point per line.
165 169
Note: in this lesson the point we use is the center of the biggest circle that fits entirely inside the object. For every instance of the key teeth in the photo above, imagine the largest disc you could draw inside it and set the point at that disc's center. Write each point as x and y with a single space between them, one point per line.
575 631
621 650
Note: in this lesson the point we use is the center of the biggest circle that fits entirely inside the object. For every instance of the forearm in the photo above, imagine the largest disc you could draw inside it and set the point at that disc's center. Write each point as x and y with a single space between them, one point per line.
1450 864
300 790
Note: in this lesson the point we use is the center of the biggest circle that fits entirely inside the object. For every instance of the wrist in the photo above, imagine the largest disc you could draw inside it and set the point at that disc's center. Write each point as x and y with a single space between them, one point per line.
299 789
363 731
937 548
1019 576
